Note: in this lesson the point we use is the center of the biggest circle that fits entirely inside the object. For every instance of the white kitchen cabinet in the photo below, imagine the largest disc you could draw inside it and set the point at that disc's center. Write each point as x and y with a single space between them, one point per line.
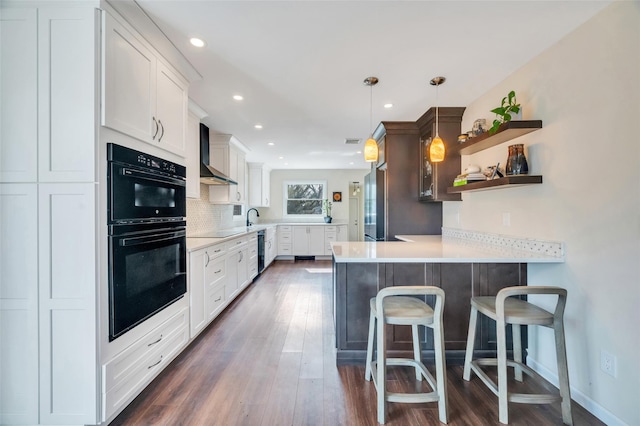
237 266
333 233
67 303
143 96
308 240
285 239
229 158
130 371
48 94
18 304
48 266
259 185
206 276
270 245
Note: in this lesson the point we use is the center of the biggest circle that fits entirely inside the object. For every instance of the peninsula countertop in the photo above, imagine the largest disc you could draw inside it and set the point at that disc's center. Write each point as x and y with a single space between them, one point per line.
434 249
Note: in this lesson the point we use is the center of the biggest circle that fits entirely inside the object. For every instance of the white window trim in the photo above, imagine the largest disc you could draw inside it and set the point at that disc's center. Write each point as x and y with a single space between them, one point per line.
285 197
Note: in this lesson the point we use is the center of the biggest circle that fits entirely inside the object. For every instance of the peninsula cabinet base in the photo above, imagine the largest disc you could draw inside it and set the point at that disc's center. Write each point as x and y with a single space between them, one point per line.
355 283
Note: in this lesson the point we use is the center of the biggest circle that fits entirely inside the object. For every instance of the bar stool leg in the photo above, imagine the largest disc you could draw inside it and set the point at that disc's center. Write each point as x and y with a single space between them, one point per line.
441 372
503 402
471 339
517 349
381 369
372 330
416 349
563 373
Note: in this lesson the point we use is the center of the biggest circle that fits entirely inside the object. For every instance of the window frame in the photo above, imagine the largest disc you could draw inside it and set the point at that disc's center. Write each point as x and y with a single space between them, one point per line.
285 197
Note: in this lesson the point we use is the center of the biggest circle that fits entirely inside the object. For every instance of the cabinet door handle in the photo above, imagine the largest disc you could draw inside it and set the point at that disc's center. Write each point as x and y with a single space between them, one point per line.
208 259
266 201
241 256
218 299
157 128
153 365
162 134
157 341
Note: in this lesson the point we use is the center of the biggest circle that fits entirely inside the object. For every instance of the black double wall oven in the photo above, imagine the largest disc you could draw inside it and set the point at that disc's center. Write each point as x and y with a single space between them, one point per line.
147 236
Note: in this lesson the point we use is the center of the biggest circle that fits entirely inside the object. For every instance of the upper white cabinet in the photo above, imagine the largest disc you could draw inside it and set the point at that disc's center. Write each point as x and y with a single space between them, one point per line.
259 185
48 103
227 157
143 96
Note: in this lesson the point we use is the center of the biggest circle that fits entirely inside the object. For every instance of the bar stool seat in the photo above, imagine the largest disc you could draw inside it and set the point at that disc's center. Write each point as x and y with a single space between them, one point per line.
393 306
505 309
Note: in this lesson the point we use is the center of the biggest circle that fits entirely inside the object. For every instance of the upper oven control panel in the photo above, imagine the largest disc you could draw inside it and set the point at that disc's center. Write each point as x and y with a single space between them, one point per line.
132 157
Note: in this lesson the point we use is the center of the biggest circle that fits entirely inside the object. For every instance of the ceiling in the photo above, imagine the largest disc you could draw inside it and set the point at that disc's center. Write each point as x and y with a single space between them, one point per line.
300 65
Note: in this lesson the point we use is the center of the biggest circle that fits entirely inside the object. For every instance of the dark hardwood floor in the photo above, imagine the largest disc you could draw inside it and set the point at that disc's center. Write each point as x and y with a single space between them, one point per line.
269 359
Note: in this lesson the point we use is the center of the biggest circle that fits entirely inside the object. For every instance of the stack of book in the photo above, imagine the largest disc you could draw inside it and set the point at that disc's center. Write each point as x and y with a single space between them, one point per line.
466 178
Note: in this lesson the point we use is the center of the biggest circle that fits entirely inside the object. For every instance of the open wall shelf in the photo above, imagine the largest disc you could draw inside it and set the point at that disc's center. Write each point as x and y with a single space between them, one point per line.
506 132
507 181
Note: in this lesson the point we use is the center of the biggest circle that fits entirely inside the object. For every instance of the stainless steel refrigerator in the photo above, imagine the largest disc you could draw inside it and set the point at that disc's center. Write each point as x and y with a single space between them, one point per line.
374 206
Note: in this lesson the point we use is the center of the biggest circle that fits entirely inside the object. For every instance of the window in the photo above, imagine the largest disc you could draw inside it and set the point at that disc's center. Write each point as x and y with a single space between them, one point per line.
304 198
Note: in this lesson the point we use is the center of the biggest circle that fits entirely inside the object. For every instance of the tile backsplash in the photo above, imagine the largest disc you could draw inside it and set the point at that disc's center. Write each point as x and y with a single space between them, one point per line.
203 216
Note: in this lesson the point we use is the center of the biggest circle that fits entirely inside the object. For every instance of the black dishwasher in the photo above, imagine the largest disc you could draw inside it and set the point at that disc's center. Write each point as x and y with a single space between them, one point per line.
260 251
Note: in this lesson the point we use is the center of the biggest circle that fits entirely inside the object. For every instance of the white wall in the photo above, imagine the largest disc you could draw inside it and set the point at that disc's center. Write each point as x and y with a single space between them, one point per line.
586 91
337 180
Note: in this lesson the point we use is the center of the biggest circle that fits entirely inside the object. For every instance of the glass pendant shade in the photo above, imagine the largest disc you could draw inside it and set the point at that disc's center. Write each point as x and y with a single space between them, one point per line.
436 150
371 151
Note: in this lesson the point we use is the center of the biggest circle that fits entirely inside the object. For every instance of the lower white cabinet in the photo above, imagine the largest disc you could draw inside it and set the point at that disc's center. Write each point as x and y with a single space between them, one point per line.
207 272
270 245
252 264
129 372
237 266
284 240
308 240
333 233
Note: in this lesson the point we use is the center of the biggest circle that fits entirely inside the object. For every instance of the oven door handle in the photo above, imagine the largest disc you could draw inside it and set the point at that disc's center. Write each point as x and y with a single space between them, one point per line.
134 241
151 176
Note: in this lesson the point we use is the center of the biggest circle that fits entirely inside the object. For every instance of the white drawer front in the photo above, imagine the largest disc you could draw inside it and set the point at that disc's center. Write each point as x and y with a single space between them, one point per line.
215 251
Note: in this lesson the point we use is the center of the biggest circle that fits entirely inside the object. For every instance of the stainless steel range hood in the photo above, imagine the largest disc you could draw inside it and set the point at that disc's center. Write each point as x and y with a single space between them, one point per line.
210 175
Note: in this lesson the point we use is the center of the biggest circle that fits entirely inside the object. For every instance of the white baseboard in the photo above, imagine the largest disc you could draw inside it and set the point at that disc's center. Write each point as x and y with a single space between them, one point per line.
589 404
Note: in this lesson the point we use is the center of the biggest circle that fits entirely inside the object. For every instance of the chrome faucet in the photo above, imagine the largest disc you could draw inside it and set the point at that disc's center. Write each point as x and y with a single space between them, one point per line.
249 211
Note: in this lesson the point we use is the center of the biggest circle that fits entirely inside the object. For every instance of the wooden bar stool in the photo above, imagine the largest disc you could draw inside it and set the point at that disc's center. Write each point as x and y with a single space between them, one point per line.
505 309
393 305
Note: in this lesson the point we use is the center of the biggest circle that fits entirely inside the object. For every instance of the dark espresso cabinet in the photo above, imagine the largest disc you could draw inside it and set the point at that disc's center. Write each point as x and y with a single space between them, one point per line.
435 178
356 283
404 213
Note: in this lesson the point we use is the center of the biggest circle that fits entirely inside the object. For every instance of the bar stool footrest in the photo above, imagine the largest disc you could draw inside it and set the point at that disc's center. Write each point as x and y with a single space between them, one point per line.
408 397
522 398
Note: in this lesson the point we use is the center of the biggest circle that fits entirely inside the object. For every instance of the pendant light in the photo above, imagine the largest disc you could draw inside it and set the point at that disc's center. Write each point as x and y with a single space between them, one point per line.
436 147
371 146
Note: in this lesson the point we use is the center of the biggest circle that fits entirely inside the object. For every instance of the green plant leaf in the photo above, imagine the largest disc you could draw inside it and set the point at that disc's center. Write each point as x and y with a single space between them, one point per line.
515 108
495 126
512 96
499 111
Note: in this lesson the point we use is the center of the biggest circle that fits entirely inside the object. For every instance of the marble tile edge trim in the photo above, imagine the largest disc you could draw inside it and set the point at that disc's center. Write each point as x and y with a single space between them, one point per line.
548 248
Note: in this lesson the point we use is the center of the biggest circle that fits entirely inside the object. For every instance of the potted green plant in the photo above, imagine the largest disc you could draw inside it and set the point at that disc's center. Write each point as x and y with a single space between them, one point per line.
326 207
505 112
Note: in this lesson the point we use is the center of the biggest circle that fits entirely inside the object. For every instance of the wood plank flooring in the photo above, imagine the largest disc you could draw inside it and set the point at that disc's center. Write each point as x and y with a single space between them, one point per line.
269 360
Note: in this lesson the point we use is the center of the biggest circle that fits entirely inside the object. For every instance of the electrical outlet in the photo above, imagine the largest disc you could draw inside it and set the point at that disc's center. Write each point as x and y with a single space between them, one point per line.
608 363
506 219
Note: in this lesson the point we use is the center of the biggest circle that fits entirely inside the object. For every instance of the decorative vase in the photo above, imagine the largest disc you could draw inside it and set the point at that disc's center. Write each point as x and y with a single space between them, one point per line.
517 162
327 219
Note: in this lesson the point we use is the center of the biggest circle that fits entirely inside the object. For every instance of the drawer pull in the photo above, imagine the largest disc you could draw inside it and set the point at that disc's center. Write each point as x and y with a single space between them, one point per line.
218 271
218 299
153 365
218 250
157 341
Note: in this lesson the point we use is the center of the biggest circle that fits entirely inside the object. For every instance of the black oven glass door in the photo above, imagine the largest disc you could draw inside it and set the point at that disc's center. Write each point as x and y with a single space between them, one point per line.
147 273
137 195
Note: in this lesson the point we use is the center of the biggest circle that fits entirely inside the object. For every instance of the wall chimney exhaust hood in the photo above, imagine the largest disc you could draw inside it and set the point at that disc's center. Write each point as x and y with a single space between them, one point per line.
210 175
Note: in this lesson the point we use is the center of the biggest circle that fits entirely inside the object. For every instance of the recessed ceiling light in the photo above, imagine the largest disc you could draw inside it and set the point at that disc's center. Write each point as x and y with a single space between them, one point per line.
197 42
286 164
351 163
280 158
271 144
238 97
258 126
388 106
358 152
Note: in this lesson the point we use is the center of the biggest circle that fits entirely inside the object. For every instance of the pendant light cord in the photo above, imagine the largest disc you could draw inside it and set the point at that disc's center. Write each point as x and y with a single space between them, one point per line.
371 110
437 86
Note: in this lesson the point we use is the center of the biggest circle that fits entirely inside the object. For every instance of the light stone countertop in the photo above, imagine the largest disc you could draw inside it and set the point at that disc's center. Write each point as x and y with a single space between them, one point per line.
433 249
